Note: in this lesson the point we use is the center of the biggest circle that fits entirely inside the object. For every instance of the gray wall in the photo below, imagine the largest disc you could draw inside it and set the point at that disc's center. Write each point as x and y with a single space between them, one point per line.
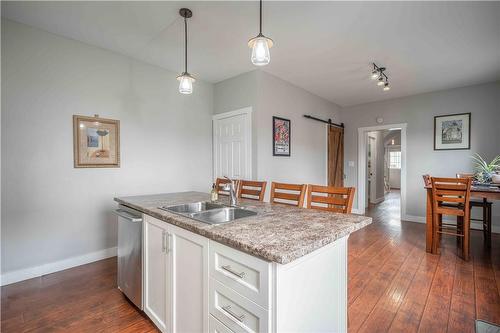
483 101
51 211
270 96
378 168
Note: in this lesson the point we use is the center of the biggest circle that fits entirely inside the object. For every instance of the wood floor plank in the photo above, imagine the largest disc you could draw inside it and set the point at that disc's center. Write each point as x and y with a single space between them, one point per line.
358 282
410 312
376 287
436 312
385 310
462 308
487 293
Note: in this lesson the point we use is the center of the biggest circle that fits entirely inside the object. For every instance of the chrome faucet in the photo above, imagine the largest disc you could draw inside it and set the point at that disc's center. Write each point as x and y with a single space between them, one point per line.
233 200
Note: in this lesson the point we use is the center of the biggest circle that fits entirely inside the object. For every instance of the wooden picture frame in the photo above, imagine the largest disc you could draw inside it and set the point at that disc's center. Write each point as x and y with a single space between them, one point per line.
452 131
282 134
96 142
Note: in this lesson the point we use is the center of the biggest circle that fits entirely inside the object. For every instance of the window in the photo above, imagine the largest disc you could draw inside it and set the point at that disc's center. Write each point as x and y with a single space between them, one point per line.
395 160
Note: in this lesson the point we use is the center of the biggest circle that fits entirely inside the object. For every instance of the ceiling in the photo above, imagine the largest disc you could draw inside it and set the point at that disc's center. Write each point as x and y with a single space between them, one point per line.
323 47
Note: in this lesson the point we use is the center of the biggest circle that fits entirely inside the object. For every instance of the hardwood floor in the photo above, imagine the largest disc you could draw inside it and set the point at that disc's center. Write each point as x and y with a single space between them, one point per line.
394 286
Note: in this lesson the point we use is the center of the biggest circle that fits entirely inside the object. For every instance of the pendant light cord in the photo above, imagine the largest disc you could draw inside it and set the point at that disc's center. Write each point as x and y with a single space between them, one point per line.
260 21
185 45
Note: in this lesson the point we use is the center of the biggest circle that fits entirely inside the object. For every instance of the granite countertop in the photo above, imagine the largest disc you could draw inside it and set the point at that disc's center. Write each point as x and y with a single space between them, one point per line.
278 233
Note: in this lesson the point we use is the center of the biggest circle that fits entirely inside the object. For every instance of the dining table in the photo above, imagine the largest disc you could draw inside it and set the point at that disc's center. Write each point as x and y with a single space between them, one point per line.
478 191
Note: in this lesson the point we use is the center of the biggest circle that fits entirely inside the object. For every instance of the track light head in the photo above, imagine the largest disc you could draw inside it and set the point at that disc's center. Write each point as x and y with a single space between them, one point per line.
375 74
387 87
380 81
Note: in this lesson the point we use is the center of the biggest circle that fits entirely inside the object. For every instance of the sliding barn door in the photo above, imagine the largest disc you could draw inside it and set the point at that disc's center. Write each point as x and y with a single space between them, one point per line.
335 156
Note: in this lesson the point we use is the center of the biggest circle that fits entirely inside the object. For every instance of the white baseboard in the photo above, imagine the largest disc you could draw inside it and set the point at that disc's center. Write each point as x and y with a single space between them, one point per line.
474 225
378 200
56 266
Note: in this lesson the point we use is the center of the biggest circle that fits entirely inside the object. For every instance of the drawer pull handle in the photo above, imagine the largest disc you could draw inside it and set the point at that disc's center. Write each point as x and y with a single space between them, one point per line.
227 308
230 270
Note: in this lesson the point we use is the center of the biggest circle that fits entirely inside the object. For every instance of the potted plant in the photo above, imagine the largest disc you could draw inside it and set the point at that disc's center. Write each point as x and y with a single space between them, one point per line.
486 172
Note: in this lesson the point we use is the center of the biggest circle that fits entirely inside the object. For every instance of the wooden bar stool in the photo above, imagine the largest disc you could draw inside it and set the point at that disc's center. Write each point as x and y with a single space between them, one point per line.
454 191
288 194
219 183
333 199
485 205
251 189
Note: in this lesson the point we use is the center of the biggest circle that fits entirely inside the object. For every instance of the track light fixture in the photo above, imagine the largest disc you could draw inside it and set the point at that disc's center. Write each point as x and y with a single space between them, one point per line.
185 79
378 73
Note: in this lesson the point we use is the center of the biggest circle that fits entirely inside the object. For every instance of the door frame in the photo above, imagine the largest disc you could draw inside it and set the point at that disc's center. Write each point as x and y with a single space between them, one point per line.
362 164
247 111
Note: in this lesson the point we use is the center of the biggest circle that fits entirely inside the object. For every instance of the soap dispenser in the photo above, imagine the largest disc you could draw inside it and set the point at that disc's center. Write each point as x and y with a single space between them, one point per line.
214 195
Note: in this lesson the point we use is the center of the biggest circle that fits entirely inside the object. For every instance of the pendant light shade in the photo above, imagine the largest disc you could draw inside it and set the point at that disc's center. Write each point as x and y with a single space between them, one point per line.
260 45
186 83
185 79
260 50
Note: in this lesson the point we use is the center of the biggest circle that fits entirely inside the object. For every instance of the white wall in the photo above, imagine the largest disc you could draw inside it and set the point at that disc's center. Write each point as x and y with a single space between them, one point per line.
52 211
275 97
483 101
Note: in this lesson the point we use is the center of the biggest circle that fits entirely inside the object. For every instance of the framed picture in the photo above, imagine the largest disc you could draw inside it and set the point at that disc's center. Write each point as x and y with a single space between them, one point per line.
96 142
452 132
281 136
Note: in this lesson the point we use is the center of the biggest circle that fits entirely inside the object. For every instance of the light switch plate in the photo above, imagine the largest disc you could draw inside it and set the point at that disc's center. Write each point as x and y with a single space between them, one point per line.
350 163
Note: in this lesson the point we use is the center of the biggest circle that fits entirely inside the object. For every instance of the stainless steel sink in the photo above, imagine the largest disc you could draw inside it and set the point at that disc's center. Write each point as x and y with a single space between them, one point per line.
223 215
194 207
209 212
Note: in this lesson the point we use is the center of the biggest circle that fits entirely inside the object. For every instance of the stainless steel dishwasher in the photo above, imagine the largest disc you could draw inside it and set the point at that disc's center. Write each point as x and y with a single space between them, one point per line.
130 253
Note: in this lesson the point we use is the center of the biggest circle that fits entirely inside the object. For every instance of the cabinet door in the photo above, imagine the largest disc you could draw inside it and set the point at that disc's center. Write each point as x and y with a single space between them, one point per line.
189 284
156 302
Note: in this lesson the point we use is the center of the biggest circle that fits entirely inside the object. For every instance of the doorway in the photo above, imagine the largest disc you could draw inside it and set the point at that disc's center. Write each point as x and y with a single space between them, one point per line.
232 144
382 170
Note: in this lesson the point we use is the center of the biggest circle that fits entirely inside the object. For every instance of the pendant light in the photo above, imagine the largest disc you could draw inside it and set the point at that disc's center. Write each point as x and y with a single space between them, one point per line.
260 45
185 79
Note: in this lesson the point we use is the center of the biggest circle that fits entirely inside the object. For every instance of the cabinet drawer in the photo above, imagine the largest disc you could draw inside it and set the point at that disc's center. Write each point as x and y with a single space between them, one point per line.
235 311
244 273
218 327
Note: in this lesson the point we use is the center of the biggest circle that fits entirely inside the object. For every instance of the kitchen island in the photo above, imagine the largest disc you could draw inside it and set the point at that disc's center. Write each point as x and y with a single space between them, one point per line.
282 270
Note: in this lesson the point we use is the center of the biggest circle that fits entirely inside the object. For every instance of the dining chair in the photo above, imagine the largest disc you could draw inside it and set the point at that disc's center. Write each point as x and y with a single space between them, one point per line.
288 194
219 183
454 191
329 198
427 180
485 205
251 189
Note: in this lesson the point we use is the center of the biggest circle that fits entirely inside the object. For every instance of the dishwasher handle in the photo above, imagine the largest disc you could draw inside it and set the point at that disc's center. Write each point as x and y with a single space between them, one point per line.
128 216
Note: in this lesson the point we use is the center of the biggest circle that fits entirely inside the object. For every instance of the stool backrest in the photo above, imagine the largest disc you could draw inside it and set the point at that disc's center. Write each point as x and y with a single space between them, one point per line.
220 182
454 191
289 194
333 199
251 189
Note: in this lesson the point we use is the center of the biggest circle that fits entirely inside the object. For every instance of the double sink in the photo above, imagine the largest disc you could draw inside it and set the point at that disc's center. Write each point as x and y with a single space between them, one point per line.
209 212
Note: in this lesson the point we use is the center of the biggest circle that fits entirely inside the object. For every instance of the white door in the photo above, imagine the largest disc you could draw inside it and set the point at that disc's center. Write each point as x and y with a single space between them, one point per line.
371 169
156 302
189 282
232 141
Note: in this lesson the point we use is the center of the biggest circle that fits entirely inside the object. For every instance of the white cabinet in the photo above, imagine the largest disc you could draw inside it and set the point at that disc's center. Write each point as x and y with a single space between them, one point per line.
176 277
156 272
192 284
189 265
